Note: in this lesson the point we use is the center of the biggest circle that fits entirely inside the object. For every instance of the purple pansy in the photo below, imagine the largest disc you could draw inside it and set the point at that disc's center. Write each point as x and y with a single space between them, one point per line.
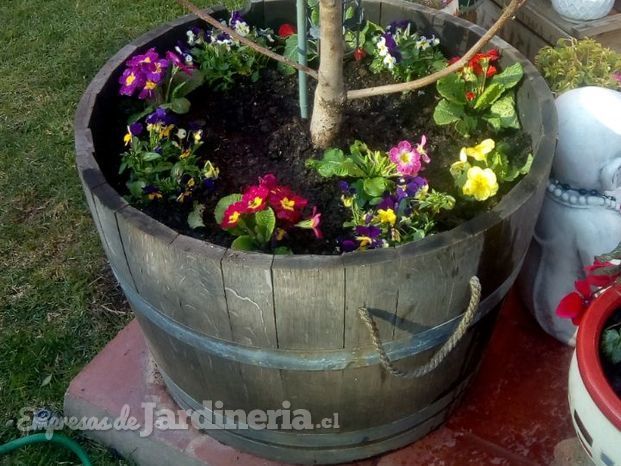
158 116
395 26
368 236
136 128
392 47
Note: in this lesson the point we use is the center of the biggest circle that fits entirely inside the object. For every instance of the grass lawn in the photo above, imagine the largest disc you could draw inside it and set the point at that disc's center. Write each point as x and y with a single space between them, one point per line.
59 304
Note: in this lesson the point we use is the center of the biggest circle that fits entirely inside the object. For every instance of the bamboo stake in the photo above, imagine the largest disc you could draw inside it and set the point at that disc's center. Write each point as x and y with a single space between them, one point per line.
218 25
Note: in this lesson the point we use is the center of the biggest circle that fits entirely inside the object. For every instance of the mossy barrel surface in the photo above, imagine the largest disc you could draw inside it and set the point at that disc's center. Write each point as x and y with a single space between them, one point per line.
254 330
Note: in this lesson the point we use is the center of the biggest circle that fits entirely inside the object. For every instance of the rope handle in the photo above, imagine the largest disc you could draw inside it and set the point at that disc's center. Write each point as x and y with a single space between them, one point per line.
442 353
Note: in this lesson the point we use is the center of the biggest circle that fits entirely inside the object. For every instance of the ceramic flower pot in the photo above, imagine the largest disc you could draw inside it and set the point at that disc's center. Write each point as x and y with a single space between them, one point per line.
595 407
582 10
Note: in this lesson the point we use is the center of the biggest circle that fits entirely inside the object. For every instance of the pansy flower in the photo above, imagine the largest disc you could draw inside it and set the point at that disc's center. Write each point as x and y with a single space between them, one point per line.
152 192
368 236
386 216
132 130
238 23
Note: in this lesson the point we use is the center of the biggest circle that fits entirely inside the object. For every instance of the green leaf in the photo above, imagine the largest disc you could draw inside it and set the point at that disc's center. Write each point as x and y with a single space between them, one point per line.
223 204
611 345
151 156
291 52
447 112
282 251
195 219
266 222
452 88
134 117
374 187
510 76
334 163
189 83
467 125
489 96
504 110
244 243
180 105
46 380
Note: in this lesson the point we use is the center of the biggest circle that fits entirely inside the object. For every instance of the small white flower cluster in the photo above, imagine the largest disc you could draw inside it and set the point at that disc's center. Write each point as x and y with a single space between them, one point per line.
389 61
241 28
422 43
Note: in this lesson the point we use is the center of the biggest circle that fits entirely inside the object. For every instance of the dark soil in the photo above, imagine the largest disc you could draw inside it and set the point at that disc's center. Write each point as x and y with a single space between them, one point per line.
255 129
613 371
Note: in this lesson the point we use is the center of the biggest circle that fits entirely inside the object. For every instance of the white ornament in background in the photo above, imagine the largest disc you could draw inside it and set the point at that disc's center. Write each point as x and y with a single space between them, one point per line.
582 10
577 221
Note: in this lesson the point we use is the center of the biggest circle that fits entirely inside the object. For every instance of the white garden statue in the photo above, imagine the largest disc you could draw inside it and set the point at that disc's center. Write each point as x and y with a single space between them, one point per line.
580 217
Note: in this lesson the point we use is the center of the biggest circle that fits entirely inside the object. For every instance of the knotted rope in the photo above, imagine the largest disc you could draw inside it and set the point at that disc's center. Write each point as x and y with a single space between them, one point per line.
440 355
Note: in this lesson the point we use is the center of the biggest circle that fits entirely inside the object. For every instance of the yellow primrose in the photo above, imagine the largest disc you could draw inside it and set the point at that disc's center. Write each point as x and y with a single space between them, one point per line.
481 183
478 152
387 216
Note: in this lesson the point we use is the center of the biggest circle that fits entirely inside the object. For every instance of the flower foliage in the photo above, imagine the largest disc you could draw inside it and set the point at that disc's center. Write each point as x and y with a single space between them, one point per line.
221 59
262 216
479 95
162 162
388 202
402 51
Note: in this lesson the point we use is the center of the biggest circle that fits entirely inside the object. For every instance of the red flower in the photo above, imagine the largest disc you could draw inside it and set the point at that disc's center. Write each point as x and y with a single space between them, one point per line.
574 305
359 54
268 181
232 214
255 198
481 61
286 30
470 96
287 205
602 279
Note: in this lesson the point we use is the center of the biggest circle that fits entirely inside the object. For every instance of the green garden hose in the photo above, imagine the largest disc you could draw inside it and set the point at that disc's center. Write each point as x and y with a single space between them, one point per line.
59 439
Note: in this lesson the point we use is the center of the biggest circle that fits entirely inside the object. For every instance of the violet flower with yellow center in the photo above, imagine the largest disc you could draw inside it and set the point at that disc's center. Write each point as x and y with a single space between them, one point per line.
407 158
481 183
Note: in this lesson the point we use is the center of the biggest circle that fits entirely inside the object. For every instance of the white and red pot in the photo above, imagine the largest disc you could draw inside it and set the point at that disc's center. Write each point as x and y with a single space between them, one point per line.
595 407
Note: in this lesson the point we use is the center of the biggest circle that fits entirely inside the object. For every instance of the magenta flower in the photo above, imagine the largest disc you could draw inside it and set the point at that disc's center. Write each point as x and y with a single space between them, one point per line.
406 158
179 63
409 158
312 223
144 72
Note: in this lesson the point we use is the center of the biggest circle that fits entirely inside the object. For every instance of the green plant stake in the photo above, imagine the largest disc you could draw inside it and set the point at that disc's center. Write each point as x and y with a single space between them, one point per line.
302 57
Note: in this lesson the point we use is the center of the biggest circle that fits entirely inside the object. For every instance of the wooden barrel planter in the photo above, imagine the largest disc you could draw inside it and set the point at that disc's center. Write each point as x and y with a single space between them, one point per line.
253 330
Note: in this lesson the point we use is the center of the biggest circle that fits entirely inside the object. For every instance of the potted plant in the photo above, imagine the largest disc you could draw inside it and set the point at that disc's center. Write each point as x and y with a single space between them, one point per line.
232 316
582 10
595 372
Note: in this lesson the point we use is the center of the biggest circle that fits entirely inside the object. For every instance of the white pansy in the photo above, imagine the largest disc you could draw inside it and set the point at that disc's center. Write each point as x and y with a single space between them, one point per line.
390 61
191 37
181 133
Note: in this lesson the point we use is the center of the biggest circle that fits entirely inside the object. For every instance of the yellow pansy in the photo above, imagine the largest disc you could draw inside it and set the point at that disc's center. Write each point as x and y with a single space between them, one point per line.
481 183
387 216
478 152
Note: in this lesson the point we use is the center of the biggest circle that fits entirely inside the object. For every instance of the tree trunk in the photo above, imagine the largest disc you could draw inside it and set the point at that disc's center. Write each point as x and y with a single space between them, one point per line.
330 93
